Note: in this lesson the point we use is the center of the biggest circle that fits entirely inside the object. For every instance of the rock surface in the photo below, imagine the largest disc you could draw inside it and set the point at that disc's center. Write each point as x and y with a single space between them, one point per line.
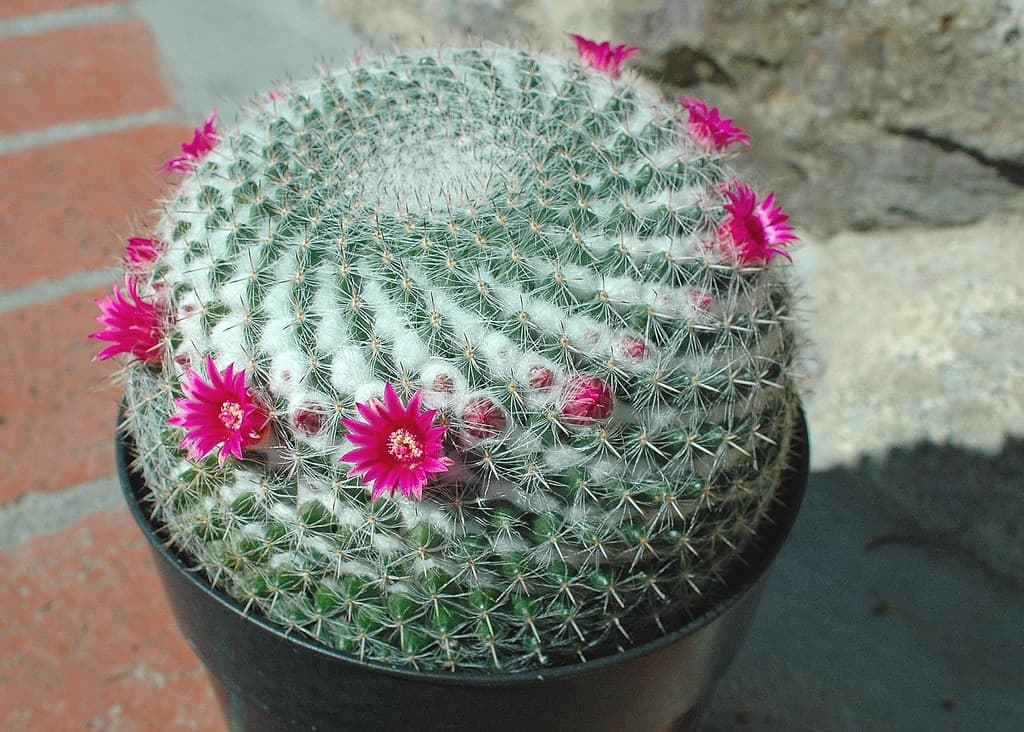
867 114
917 367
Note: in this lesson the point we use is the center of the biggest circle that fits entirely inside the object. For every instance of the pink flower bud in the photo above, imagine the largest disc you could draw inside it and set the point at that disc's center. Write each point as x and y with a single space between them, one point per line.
483 418
700 299
309 418
540 377
633 347
443 383
586 399
140 254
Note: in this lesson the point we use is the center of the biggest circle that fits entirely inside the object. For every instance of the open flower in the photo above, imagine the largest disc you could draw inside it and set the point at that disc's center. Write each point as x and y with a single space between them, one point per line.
133 325
754 231
603 56
397 447
203 140
222 411
708 129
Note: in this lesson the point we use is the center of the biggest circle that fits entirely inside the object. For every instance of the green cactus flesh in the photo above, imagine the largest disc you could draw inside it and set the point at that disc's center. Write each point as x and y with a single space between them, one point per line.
479 225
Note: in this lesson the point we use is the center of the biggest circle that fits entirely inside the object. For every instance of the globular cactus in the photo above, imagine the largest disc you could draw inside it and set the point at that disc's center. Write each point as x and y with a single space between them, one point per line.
465 359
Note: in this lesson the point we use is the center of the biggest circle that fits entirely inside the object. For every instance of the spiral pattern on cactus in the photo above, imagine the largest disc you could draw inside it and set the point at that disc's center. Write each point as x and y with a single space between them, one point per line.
533 247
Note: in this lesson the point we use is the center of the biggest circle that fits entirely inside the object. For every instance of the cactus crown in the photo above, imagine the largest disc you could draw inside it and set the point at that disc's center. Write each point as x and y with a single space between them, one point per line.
543 254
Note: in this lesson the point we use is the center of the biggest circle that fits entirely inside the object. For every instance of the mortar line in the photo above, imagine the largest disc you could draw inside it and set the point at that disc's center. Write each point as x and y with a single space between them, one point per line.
69 131
44 291
31 23
46 513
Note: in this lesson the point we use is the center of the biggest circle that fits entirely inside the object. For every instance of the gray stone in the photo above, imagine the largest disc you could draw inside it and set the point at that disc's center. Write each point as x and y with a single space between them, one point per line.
866 114
917 361
882 113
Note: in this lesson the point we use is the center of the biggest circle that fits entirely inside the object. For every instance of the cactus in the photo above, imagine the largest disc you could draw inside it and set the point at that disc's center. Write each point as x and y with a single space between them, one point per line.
549 272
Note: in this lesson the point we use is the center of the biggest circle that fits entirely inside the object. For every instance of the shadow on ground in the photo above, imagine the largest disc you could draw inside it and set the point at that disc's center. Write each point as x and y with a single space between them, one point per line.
874 621
955 497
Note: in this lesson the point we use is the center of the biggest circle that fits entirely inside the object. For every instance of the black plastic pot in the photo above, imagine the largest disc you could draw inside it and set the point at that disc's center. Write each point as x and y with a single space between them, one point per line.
269 681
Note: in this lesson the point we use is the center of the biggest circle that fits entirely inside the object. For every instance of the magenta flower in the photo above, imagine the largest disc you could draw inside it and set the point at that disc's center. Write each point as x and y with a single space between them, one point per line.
586 399
140 254
133 325
203 140
603 56
222 411
398 447
754 232
708 129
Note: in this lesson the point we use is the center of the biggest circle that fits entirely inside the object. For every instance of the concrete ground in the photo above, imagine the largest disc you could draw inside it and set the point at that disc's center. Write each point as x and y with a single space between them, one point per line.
868 622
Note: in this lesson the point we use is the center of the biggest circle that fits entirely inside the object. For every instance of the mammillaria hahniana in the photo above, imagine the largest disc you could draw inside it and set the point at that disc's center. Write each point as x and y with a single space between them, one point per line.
469 358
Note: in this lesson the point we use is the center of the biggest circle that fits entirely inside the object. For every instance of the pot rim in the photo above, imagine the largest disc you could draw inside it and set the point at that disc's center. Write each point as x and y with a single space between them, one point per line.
754 562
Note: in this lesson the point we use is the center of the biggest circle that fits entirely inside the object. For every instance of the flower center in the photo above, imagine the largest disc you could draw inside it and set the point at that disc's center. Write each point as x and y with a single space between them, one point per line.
231 414
404 447
753 230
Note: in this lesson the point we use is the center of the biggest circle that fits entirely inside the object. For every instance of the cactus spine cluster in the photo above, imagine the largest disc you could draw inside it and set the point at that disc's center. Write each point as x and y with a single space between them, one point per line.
531 246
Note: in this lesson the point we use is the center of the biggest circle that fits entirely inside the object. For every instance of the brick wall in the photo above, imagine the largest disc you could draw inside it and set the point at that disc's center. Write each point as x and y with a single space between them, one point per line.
88 641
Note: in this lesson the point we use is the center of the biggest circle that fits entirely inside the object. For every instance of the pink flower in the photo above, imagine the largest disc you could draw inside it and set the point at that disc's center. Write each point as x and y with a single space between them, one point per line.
754 232
140 254
602 56
222 411
203 140
397 447
274 95
133 325
586 399
708 129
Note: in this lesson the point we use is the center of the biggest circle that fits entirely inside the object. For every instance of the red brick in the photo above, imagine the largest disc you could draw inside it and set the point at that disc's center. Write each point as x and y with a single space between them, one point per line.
57 408
67 207
79 73
88 638
14 8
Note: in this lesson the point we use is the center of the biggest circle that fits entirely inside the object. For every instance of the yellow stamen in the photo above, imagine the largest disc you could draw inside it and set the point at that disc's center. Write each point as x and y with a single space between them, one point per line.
404 446
231 414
